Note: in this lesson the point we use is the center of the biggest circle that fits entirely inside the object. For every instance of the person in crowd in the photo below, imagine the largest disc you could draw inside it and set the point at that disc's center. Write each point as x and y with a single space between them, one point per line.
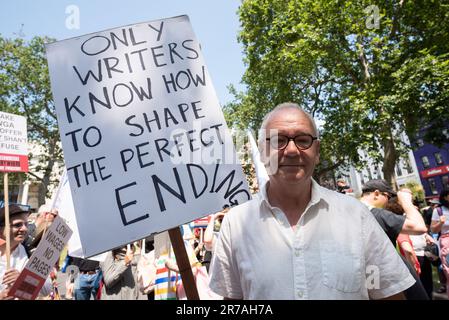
403 240
296 239
440 224
343 187
88 281
427 214
428 211
45 216
211 235
120 276
18 218
376 194
147 268
420 243
406 249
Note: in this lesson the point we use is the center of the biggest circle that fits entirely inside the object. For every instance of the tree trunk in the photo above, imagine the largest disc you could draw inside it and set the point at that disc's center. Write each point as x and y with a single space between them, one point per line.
390 157
43 187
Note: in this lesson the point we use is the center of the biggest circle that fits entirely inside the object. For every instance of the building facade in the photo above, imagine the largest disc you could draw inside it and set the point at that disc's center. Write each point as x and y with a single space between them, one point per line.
433 166
406 171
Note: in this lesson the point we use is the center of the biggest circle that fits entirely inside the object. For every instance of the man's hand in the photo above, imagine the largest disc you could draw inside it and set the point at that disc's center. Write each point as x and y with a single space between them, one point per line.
429 239
219 215
129 256
414 223
405 197
442 219
10 277
4 295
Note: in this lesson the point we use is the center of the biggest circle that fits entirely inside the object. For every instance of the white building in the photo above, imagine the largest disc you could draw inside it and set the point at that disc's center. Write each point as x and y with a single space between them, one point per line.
405 171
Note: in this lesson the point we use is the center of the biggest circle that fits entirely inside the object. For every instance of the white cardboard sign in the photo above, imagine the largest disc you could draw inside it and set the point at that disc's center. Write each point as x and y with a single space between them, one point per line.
41 262
13 143
145 142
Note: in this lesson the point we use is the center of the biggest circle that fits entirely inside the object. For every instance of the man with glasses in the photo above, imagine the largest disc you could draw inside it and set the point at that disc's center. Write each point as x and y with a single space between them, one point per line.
296 239
18 216
376 194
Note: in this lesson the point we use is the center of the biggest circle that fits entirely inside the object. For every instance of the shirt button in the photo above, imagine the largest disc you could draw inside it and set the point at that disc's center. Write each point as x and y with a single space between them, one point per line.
297 252
299 293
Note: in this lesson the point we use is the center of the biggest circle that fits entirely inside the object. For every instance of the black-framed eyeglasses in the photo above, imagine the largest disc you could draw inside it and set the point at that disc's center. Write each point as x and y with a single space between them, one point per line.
302 141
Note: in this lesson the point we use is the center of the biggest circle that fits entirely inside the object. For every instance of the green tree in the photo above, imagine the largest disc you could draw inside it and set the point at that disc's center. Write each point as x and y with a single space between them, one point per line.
25 90
368 72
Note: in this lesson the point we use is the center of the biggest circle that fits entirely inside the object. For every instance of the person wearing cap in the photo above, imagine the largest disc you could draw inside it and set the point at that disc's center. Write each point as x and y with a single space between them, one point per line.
18 216
376 195
298 240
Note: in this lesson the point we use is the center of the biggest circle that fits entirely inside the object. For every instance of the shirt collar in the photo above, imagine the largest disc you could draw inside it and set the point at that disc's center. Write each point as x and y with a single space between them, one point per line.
316 194
367 204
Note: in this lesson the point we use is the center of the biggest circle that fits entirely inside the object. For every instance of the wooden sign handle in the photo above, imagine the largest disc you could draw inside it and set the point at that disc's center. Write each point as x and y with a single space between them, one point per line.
7 224
183 264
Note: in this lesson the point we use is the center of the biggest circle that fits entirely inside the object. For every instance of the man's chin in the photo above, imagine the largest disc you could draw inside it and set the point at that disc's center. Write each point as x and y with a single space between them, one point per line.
20 238
293 176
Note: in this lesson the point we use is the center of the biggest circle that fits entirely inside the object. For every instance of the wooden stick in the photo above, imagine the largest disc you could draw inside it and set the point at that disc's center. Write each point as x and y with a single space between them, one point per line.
7 225
183 263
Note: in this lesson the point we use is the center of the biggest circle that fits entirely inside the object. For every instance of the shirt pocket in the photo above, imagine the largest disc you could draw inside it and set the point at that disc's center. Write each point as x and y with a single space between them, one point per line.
340 266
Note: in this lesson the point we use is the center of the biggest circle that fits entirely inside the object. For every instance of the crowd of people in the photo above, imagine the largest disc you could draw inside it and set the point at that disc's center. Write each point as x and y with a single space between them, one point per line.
282 244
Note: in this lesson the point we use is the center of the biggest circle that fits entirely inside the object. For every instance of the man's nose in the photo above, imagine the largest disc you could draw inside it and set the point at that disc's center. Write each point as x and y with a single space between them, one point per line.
291 149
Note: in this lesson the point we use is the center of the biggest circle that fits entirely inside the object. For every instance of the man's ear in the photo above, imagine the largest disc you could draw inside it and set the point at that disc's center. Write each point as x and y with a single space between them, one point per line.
376 194
317 158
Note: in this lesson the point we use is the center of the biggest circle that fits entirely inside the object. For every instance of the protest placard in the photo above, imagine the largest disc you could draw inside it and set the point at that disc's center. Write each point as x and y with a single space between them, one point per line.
13 143
41 262
145 142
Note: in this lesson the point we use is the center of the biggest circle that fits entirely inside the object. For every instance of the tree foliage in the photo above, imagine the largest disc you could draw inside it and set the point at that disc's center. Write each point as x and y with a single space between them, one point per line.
368 72
25 90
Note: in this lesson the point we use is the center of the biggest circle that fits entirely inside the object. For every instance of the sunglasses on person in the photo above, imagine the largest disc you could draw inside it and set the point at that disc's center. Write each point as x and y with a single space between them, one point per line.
389 196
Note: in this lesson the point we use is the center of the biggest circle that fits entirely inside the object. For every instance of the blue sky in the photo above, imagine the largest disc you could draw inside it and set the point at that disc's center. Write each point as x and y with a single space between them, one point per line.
215 23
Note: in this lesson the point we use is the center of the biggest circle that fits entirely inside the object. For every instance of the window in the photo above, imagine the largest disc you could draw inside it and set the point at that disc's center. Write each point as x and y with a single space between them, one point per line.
446 133
445 181
398 169
438 158
425 161
379 173
420 142
432 185
370 176
408 166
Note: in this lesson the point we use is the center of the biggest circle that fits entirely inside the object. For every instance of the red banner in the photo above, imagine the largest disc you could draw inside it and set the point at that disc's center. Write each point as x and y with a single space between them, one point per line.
438 171
13 163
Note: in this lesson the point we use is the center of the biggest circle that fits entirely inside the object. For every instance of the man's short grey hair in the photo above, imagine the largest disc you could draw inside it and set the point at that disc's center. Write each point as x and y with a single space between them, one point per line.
285 105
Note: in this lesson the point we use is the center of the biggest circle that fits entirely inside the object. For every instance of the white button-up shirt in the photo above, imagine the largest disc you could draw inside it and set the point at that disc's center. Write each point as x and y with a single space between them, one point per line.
338 251
18 261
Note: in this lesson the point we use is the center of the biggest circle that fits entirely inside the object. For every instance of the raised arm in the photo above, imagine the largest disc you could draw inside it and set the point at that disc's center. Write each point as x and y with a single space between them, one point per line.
414 222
